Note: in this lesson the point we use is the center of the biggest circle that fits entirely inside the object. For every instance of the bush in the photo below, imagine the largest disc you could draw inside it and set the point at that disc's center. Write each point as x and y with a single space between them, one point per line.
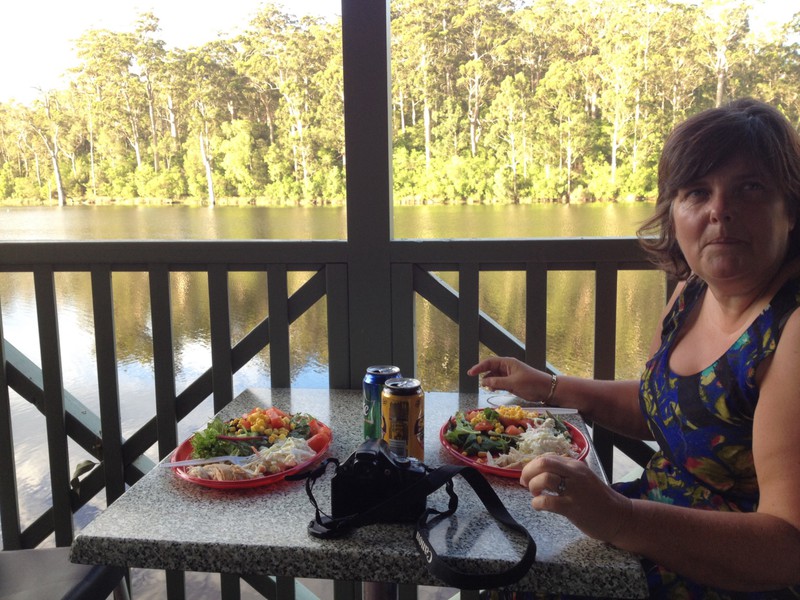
26 189
166 183
6 181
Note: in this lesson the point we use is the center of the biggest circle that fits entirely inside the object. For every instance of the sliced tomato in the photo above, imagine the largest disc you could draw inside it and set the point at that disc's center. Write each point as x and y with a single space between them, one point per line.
245 424
275 416
483 426
474 413
513 430
318 441
313 427
506 421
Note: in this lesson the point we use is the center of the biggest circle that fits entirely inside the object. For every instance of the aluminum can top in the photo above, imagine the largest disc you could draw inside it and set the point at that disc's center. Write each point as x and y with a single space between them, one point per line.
383 370
403 385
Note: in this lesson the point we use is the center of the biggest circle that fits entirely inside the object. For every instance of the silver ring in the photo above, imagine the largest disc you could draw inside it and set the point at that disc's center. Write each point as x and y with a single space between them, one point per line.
562 487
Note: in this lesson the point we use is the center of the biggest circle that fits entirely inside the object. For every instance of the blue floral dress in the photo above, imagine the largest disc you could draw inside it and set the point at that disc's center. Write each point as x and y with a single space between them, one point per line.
703 424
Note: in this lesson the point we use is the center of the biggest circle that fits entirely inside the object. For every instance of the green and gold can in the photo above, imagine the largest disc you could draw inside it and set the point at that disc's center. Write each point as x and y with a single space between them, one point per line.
403 417
374 379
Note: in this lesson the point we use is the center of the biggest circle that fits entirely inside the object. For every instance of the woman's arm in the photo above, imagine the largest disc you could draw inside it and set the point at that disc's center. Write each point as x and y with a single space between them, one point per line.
613 404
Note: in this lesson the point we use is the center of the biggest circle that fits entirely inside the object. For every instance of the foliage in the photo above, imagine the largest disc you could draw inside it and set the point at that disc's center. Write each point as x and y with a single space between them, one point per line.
492 101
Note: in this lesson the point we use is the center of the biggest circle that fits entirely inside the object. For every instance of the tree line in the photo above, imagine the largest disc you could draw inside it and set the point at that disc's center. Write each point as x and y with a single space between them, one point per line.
492 101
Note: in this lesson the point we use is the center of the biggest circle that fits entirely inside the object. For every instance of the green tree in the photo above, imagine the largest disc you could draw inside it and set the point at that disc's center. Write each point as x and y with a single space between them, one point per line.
507 134
724 31
47 120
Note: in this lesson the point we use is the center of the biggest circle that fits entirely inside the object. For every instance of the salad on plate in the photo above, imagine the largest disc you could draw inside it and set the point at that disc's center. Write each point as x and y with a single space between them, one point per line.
508 437
271 442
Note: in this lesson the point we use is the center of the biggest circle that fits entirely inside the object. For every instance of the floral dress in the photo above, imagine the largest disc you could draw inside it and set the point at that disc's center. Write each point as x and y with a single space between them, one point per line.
703 424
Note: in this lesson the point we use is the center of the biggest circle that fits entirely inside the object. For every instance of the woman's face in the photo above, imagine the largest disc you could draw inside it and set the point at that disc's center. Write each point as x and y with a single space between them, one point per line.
732 225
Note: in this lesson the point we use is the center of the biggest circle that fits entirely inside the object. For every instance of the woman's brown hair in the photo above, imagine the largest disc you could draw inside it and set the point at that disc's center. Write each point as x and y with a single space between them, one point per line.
745 128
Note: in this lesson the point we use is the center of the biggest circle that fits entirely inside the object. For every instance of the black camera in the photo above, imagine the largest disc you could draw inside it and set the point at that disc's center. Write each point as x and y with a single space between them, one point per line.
373 474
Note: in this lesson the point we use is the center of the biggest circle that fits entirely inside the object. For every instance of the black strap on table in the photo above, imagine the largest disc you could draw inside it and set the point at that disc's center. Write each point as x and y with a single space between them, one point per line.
494 505
325 526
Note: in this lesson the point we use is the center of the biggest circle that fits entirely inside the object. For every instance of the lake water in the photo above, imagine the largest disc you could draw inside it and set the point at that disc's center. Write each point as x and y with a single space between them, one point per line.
570 295
317 223
570 328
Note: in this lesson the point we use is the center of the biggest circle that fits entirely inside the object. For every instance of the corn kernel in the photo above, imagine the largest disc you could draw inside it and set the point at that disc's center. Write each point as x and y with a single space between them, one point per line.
514 412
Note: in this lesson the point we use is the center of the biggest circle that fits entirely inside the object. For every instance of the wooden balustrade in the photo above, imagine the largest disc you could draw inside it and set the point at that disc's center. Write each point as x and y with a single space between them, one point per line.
413 267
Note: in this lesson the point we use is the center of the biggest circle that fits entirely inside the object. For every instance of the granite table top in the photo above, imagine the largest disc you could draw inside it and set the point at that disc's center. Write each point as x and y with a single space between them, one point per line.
165 522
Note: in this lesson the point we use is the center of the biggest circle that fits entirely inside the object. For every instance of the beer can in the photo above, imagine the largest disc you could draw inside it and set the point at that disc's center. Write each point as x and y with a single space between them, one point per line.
403 421
373 386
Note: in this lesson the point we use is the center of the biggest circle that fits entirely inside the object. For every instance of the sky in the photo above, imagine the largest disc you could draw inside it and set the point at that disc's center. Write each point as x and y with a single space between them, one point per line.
37 37
36 43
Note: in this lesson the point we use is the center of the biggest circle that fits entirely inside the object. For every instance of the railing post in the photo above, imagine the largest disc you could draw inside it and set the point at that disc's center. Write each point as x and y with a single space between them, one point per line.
55 417
220 331
9 503
107 381
404 340
368 147
468 325
605 343
278 307
536 315
163 359
338 326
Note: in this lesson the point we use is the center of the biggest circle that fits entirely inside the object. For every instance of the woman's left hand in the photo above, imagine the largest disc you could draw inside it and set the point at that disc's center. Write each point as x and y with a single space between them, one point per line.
569 487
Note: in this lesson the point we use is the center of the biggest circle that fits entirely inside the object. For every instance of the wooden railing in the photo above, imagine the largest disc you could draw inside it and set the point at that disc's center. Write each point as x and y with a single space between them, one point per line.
413 267
414 262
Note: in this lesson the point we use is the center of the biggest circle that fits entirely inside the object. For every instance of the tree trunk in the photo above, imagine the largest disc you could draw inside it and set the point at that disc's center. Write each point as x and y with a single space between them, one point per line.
62 198
401 107
153 134
426 114
205 155
91 154
722 69
569 165
173 126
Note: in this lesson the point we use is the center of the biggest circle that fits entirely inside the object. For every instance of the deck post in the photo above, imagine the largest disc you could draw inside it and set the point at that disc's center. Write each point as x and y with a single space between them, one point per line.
368 147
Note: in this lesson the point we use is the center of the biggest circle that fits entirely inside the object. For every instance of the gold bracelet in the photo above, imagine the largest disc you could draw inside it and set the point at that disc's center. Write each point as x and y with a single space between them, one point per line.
553 385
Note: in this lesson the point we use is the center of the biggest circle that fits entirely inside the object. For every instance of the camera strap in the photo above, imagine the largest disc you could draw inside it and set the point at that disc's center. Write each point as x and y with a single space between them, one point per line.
325 526
447 573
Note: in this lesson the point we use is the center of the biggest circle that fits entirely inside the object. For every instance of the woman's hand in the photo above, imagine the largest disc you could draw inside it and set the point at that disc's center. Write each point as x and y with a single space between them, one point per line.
568 487
514 376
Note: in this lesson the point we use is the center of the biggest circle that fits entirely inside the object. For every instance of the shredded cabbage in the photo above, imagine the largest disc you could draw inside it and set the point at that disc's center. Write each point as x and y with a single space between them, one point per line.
546 438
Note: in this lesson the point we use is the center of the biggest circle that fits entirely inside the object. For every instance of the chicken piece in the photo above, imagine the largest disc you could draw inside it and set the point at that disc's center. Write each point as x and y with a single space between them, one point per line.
220 472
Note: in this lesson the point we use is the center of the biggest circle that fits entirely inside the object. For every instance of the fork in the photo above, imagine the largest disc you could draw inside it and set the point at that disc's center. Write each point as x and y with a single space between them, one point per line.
237 460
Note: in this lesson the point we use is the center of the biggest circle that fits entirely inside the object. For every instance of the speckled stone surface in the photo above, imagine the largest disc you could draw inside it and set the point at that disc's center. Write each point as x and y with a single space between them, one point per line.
164 522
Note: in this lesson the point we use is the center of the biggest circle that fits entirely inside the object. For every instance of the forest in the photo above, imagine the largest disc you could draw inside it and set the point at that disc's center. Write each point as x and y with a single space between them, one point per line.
493 101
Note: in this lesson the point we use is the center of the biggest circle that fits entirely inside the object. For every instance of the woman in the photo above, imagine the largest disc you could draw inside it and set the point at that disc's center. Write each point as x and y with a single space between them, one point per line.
720 393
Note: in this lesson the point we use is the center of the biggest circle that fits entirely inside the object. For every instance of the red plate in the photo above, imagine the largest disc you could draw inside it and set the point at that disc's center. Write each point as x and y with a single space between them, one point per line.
184 452
578 439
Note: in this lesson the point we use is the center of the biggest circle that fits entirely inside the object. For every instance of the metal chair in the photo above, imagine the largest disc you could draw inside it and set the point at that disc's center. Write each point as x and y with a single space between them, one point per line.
47 574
